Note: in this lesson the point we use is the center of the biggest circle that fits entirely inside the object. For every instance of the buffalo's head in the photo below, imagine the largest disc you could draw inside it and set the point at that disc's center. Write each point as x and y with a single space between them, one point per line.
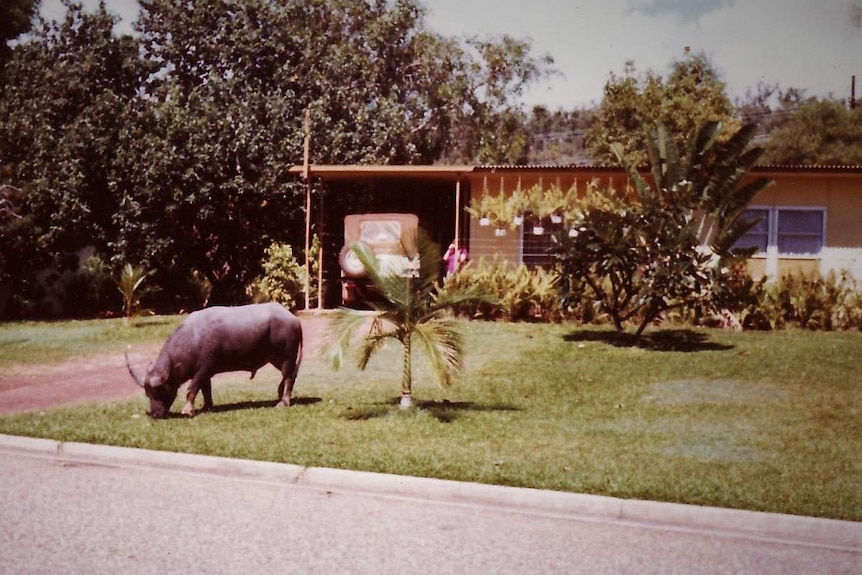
161 398
159 389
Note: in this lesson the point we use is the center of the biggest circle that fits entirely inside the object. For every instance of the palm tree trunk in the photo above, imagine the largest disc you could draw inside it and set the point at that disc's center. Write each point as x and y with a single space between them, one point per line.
407 375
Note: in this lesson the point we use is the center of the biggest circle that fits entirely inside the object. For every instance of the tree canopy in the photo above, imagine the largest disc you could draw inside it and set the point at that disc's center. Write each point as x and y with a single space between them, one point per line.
817 132
168 148
15 19
692 95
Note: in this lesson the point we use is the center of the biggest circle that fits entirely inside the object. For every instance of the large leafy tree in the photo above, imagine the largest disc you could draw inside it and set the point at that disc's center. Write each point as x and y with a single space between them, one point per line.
817 132
692 94
489 125
15 19
169 149
234 82
65 100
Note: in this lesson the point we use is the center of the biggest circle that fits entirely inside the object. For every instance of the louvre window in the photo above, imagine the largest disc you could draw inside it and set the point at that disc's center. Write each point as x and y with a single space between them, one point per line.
537 246
757 236
793 231
800 231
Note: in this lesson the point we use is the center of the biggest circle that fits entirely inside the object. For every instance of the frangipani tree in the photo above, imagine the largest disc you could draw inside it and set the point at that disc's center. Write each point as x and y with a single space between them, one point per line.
411 309
643 253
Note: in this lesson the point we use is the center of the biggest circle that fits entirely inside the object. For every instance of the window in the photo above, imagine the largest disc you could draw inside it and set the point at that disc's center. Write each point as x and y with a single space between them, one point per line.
537 244
800 231
793 231
757 236
380 231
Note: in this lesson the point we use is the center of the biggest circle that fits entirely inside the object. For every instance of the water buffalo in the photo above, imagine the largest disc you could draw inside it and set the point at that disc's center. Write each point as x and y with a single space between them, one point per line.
217 340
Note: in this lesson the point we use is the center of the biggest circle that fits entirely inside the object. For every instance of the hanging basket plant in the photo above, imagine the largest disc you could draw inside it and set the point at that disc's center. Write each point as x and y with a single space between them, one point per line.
481 208
490 211
538 204
551 203
517 205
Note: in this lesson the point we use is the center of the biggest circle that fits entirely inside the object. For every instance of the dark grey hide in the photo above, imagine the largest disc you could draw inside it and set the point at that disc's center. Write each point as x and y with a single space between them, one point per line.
217 340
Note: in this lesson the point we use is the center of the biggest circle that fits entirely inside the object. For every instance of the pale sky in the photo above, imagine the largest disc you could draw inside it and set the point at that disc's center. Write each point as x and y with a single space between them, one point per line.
805 44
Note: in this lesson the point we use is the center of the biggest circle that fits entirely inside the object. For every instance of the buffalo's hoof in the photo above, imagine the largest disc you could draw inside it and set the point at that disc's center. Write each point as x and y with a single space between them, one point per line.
282 403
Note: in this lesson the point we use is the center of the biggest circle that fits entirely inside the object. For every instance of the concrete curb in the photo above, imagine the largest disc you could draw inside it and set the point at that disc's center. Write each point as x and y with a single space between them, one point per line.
844 535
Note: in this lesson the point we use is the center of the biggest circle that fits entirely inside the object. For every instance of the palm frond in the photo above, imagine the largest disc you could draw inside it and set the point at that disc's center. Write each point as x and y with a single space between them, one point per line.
732 233
371 344
640 183
391 286
475 293
442 343
739 141
343 328
701 143
671 167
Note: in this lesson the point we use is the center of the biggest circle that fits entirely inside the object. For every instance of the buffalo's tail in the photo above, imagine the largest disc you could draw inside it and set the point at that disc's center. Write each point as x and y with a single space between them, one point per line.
298 358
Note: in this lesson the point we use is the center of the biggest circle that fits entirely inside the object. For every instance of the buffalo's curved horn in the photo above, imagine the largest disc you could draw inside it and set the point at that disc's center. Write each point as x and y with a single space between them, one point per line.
134 375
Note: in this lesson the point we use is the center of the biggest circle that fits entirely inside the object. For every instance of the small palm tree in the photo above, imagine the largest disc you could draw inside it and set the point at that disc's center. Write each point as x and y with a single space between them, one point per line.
130 284
411 309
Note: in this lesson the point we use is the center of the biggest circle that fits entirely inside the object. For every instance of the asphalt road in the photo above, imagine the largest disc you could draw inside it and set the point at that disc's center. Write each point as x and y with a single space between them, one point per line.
59 515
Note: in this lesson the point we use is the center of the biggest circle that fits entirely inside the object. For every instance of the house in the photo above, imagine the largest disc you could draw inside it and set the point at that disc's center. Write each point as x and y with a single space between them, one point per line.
811 216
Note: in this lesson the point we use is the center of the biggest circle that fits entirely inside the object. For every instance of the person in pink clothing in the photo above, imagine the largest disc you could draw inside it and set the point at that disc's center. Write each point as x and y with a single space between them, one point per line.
455 258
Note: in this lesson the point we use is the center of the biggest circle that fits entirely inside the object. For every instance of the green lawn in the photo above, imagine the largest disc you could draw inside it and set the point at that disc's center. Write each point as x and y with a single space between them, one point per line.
761 421
24 343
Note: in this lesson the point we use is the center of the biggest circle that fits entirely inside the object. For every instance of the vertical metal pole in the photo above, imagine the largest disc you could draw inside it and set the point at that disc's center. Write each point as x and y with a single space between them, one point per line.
457 216
853 92
306 172
320 254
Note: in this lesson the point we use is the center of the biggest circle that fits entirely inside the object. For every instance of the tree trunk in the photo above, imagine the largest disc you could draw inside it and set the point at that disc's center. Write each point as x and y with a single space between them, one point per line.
407 376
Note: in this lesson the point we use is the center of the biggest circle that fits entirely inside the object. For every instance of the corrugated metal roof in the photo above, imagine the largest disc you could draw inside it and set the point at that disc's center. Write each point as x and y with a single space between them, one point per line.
353 171
819 168
455 172
849 168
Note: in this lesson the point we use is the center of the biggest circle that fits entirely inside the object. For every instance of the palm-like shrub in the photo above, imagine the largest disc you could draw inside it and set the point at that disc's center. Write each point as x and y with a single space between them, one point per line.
410 310
520 293
130 283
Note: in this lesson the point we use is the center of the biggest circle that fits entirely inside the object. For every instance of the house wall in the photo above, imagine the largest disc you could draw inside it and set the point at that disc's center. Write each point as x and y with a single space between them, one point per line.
839 193
841 196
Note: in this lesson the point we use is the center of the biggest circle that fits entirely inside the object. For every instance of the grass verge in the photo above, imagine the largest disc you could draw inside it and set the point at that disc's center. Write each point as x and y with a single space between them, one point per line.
27 343
760 421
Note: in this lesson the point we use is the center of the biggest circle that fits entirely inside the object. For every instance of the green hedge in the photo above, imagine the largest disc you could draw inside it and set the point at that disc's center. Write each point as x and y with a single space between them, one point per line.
814 302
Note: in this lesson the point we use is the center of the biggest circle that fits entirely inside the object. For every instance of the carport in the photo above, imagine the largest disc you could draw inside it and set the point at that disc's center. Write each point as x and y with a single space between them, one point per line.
398 184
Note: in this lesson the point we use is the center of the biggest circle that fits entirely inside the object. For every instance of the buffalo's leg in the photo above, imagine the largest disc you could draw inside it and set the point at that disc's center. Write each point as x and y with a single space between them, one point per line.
199 382
285 390
289 369
207 391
